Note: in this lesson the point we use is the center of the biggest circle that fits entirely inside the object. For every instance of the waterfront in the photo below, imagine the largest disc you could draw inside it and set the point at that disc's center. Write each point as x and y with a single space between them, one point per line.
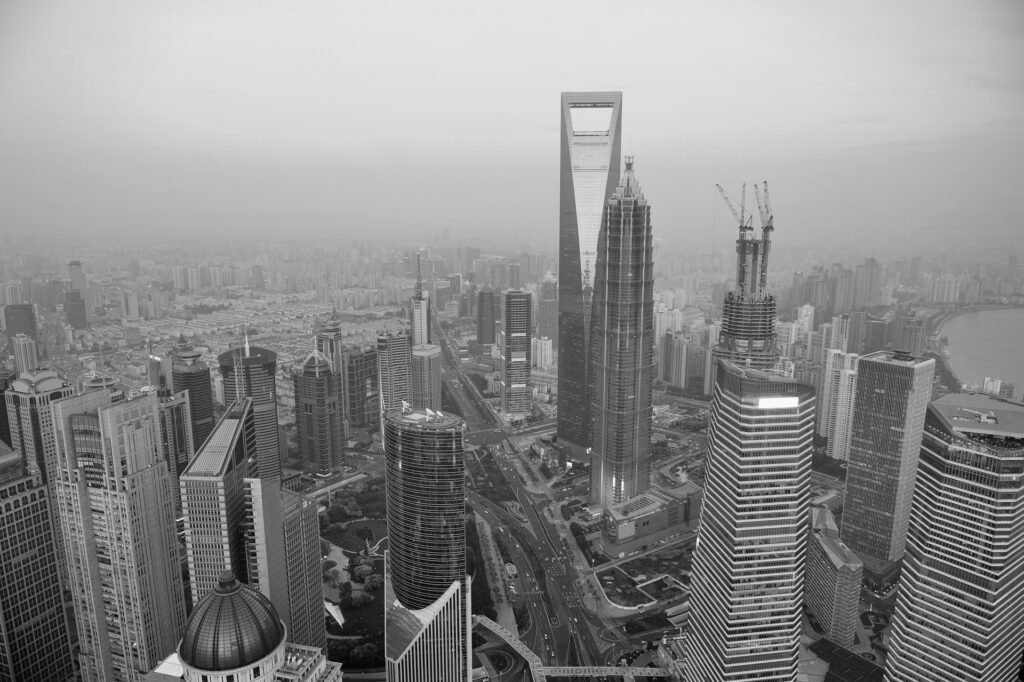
988 343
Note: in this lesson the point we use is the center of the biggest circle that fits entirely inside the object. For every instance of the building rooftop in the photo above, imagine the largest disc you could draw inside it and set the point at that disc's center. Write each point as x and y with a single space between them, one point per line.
897 357
977 413
425 418
214 457
826 533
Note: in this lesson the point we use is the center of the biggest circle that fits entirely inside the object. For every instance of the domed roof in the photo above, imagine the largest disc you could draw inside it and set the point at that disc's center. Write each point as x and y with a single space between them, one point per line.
231 627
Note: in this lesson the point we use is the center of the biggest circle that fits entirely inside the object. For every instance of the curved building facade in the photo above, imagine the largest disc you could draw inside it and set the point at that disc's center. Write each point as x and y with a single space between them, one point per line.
425 488
249 372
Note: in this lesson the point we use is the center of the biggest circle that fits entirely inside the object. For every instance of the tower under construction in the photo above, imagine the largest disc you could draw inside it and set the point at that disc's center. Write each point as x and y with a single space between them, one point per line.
747 336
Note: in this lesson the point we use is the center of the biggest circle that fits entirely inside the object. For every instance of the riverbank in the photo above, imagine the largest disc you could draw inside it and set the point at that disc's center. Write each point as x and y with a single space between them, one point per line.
945 374
978 342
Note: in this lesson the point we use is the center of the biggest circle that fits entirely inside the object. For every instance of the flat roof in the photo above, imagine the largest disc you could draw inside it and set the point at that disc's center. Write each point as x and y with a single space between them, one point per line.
982 414
215 455
428 419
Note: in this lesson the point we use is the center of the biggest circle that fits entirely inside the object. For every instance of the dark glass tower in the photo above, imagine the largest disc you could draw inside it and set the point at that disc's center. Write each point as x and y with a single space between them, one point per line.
20 318
622 347
319 421
190 373
590 149
249 372
485 317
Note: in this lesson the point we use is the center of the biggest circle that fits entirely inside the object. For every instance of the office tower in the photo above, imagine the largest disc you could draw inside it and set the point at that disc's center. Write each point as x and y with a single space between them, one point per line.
115 500
190 373
25 356
748 565
748 312
893 390
833 580
75 310
259 283
176 442
34 643
329 341
517 354
28 401
251 527
961 599
591 134
426 617
420 305
235 633
622 348
485 318
394 364
426 377
20 318
361 385
547 311
319 418
249 372
76 276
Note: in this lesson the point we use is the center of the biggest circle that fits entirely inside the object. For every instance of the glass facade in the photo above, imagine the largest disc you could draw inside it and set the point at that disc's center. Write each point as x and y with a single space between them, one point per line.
517 354
622 348
589 172
249 372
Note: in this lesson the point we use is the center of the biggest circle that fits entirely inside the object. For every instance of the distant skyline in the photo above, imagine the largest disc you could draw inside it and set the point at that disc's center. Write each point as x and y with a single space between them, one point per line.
879 122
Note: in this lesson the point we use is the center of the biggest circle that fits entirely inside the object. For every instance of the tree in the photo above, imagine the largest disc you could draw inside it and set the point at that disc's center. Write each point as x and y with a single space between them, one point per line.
361 573
363 656
360 599
373 582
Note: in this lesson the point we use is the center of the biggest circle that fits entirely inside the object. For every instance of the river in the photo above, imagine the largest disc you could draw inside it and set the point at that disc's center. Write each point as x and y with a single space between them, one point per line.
989 343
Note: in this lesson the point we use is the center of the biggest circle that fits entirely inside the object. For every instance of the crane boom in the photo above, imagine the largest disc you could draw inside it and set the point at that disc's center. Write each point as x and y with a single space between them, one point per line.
735 213
760 206
741 215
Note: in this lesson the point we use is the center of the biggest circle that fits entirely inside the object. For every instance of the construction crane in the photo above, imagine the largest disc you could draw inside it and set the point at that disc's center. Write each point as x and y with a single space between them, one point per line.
741 215
767 227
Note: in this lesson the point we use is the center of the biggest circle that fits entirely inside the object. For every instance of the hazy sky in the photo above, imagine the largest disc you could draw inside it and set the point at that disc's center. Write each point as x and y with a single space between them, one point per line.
885 121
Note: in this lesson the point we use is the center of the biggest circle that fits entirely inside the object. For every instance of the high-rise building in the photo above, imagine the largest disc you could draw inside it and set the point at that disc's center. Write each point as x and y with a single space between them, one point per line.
75 310
622 348
961 598
485 318
250 372
25 356
176 442
319 416
34 643
547 311
259 283
20 318
76 276
115 499
591 138
833 408
394 364
426 377
420 308
251 527
748 312
191 374
748 565
833 581
361 385
427 611
517 354
893 390
28 401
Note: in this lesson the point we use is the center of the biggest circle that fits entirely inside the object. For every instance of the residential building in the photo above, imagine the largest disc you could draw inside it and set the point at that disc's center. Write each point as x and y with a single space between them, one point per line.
394 364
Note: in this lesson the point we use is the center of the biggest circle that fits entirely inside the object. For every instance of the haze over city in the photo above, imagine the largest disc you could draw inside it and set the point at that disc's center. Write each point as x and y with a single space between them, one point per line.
895 121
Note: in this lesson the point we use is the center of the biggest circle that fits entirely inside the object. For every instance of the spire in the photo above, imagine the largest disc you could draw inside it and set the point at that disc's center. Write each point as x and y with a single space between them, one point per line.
247 338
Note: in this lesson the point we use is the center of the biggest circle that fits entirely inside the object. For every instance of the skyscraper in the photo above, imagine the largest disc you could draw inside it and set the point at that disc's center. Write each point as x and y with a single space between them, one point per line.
833 581
622 348
250 372
591 133
485 319
34 644
28 413
114 496
420 306
190 373
176 442
748 565
394 364
319 418
517 354
20 318
893 390
25 356
252 527
75 310
426 377
361 384
748 312
426 618
76 276
547 311
835 400
961 597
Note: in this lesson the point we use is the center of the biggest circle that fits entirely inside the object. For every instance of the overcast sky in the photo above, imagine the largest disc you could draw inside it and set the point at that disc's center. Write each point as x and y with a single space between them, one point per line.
880 121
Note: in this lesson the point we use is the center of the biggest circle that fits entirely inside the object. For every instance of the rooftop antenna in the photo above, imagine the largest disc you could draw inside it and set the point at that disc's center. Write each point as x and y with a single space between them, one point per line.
246 337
